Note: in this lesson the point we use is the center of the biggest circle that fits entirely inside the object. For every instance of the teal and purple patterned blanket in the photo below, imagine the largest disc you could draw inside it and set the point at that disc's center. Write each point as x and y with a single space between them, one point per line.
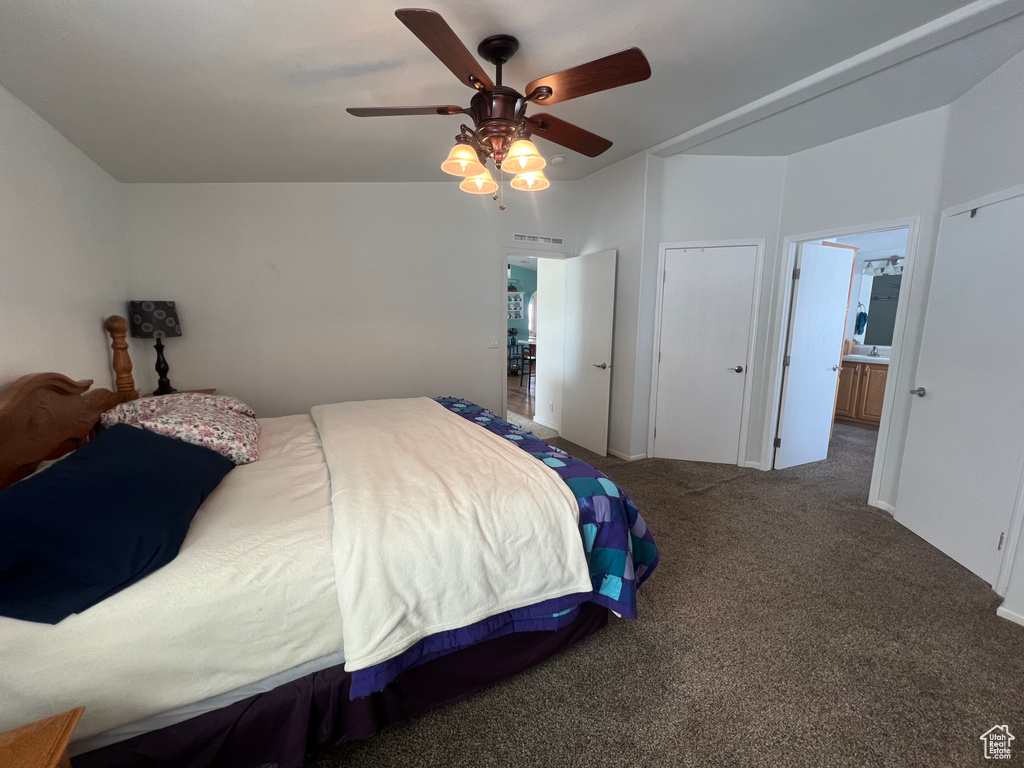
620 549
620 553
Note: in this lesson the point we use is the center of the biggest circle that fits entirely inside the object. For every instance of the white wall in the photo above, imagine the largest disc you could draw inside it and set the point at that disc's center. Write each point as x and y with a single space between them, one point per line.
985 151
62 241
609 212
297 294
550 342
710 197
890 172
654 191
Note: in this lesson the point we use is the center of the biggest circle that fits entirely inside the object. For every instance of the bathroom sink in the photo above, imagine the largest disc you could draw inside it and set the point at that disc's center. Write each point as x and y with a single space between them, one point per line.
865 359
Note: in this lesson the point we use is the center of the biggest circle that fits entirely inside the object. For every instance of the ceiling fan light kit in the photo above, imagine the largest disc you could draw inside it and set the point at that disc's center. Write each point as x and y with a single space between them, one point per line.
534 181
463 160
501 130
523 157
481 184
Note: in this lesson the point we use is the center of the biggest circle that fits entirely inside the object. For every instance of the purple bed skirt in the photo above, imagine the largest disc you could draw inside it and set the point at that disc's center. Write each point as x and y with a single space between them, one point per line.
314 713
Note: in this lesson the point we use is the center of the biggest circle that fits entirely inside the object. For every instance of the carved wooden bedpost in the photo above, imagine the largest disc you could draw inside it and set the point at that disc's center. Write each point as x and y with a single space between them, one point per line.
117 327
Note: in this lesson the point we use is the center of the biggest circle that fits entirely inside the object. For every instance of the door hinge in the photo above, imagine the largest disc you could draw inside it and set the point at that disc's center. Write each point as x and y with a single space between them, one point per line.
796 273
659 355
785 361
1001 537
778 442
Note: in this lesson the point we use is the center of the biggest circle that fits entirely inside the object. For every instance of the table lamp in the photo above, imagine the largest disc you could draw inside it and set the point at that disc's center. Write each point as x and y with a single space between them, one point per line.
156 320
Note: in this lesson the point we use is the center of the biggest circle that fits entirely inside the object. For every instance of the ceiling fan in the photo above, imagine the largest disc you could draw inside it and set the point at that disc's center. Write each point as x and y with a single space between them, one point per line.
501 129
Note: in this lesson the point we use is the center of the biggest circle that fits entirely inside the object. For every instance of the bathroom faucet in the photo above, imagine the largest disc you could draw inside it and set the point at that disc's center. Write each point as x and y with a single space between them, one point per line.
874 352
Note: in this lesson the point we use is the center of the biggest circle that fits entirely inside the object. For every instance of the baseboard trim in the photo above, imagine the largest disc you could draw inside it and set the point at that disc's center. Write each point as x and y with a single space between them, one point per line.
885 507
1006 613
626 456
753 465
546 424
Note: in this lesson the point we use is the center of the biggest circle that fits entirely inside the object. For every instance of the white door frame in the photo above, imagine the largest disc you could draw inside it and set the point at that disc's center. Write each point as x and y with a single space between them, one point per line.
781 333
507 252
755 303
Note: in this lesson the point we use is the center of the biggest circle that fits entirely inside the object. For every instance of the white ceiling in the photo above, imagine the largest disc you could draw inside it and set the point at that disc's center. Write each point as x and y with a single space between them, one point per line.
240 90
913 86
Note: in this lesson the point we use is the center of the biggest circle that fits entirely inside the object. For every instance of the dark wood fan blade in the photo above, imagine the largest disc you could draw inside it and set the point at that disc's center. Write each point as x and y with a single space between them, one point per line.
449 109
568 135
434 32
623 68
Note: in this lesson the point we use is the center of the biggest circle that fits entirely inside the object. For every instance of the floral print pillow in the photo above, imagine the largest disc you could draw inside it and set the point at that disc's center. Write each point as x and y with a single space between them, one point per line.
218 422
149 406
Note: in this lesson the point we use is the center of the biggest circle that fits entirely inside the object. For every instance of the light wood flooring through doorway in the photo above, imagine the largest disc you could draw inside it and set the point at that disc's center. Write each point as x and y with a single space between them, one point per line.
521 399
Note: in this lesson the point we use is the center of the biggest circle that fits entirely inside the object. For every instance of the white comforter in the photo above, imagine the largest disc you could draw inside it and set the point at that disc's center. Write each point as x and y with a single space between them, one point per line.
438 524
250 594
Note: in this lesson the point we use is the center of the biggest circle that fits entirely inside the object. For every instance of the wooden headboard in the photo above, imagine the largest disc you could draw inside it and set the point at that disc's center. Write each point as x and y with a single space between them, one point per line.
45 415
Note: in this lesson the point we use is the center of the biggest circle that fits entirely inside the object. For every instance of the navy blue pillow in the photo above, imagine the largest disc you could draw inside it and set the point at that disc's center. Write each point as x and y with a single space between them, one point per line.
99 520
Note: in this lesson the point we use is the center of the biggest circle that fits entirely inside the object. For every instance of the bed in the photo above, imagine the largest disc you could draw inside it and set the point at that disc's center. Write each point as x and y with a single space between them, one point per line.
234 652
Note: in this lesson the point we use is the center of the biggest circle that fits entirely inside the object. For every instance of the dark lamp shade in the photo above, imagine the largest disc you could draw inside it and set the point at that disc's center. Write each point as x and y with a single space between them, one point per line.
153 319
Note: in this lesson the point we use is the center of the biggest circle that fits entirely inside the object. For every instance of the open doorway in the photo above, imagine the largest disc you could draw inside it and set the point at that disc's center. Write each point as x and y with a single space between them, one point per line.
521 353
558 381
842 320
533 357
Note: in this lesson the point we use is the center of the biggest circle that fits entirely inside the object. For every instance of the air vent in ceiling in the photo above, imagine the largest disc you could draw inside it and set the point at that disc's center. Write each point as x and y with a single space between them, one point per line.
518 237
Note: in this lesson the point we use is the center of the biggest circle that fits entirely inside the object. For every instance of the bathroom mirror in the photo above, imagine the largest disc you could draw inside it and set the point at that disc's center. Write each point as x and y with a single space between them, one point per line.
879 297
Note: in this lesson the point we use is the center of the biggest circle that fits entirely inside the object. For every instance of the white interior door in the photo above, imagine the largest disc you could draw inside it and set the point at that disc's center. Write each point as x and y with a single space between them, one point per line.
816 328
587 354
965 442
705 337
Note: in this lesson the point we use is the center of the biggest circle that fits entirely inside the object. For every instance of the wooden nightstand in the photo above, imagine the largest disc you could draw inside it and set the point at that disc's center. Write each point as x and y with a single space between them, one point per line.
42 744
194 391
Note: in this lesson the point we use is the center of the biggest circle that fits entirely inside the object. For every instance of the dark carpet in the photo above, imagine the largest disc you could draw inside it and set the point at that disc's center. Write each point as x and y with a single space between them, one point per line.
788 624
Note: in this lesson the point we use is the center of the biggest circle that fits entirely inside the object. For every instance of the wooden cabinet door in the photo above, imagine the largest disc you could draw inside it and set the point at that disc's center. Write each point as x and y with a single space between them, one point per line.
846 396
872 393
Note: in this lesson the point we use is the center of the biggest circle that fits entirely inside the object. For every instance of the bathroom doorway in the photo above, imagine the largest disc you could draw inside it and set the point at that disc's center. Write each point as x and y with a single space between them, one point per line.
838 347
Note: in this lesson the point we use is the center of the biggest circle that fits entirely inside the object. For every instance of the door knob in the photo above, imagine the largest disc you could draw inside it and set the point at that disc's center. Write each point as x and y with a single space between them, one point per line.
920 392
835 367
602 366
738 369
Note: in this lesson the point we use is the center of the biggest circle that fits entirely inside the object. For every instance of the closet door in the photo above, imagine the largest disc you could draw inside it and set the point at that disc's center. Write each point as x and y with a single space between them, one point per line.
965 443
704 352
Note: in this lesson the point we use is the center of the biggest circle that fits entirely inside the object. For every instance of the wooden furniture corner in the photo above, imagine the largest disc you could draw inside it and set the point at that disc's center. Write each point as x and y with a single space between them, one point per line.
42 744
117 327
45 415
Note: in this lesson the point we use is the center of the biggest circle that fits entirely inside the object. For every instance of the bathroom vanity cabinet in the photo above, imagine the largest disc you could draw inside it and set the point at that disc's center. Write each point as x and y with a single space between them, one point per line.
861 392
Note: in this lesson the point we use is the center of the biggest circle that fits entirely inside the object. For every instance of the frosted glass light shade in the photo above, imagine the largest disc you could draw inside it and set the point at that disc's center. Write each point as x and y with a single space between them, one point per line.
462 161
531 182
523 157
481 184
